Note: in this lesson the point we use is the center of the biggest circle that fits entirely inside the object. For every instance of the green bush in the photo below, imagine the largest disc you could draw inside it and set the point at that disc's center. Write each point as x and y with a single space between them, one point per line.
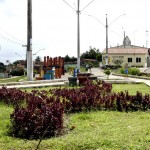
107 72
17 71
134 71
122 70
70 68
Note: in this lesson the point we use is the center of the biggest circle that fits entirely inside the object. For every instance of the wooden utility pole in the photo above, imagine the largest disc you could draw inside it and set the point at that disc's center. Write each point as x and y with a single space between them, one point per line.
29 42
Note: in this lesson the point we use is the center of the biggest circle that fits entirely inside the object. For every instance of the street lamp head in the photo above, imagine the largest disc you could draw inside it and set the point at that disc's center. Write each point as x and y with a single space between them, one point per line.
38 51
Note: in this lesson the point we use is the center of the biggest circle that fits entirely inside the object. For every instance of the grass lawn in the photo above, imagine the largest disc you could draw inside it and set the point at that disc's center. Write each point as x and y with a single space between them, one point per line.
13 79
97 130
132 88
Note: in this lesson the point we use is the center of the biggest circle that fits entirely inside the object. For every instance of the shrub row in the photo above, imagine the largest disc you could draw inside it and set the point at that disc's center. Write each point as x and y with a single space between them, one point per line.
41 113
99 96
132 71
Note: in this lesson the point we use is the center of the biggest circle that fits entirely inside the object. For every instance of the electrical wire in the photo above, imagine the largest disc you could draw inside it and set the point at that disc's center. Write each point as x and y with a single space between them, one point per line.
13 40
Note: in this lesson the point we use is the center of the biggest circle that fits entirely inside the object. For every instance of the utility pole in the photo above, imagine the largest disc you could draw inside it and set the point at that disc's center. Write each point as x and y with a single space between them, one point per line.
106 26
78 11
78 35
106 40
29 42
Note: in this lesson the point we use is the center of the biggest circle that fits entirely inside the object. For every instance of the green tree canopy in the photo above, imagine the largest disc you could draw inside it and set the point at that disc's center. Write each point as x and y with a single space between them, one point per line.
93 53
2 67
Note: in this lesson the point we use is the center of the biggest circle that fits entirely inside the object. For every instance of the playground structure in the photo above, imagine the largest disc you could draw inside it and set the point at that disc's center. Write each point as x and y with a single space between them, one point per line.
53 67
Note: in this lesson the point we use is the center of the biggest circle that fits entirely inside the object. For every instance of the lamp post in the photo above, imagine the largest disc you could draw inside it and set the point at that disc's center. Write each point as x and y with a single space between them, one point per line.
78 11
106 26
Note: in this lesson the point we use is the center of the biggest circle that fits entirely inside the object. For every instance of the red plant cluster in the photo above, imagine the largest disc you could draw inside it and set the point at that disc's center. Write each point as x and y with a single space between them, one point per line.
38 117
99 96
12 96
37 114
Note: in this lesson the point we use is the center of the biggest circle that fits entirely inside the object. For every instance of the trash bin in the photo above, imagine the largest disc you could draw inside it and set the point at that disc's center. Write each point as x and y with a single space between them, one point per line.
47 76
72 81
51 72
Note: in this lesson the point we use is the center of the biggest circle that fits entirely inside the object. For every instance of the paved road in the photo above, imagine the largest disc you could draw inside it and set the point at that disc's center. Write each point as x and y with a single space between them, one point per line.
100 73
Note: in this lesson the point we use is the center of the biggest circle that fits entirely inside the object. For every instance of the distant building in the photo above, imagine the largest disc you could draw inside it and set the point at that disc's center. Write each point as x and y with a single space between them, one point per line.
135 56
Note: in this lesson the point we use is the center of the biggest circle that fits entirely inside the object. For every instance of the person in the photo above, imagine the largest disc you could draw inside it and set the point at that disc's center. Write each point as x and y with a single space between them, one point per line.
87 67
90 68
126 69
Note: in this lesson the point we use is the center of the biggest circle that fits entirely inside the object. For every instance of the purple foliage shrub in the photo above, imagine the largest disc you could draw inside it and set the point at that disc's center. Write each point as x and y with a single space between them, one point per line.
39 117
12 96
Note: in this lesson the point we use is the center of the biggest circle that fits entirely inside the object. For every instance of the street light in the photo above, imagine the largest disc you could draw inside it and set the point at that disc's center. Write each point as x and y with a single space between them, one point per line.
78 11
38 51
106 26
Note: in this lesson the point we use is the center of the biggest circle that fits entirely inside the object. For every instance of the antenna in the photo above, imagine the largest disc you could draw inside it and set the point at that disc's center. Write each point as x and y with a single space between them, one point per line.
146 38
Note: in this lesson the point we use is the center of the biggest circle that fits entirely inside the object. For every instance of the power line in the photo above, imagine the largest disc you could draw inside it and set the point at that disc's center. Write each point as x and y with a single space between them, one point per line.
13 40
9 40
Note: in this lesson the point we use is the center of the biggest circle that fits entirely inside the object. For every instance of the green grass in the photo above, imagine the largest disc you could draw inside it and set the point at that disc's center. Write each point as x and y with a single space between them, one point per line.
13 79
132 88
99 130
95 130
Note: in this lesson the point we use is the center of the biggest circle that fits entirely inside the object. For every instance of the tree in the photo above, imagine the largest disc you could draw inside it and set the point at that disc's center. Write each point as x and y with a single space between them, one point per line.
67 58
99 57
2 67
73 59
16 62
38 60
93 53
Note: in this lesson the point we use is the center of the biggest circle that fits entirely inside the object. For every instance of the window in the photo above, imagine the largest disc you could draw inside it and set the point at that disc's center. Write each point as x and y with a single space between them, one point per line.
138 60
129 59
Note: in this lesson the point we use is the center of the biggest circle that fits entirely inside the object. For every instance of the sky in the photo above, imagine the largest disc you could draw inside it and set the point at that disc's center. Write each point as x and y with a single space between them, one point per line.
54 26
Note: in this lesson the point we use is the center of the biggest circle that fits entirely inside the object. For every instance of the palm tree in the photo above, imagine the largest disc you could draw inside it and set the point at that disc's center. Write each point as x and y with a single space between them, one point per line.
38 60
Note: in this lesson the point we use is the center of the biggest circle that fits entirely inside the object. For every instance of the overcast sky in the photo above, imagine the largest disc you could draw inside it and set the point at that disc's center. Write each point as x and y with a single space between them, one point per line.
55 26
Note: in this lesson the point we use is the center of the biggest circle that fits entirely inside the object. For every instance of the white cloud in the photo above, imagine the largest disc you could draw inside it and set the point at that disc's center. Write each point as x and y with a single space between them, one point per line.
55 25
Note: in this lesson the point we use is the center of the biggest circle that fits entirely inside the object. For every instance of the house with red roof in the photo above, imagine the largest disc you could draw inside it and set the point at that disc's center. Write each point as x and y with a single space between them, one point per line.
135 56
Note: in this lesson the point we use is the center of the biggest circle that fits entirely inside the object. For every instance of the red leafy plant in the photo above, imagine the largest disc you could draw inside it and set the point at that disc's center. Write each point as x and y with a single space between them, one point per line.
39 117
12 96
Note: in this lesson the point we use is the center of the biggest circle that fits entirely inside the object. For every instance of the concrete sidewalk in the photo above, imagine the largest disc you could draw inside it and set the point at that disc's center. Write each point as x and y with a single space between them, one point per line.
101 75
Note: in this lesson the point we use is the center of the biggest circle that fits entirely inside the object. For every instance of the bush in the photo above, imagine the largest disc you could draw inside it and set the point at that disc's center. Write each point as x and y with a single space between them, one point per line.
122 70
107 72
134 71
17 71
39 117
12 96
70 68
